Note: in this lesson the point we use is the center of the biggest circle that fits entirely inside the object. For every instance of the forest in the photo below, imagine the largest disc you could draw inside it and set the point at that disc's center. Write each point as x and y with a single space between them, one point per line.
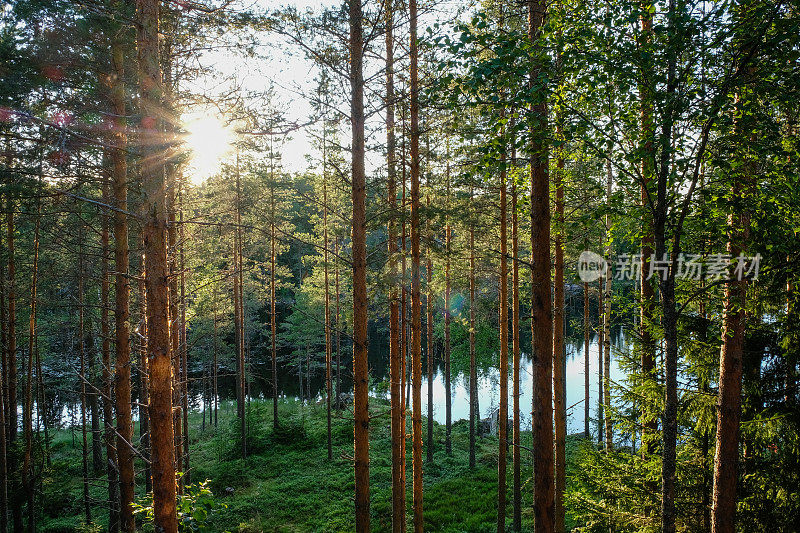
399 265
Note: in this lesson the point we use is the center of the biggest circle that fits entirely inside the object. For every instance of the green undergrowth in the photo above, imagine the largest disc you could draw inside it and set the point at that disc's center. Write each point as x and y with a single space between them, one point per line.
287 483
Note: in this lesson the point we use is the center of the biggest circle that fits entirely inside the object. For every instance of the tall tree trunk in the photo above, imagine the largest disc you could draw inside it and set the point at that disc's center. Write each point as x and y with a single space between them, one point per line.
474 415
607 320
107 374
27 421
416 299
729 402
600 366
338 330
157 288
184 353
11 372
448 405
94 407
395 355
238 297
648 345
215 369
273 321
359 250
541 306
429 347
559 354
87 510
586 330
3 400
122 389
516 453
503 411
144 381
328 365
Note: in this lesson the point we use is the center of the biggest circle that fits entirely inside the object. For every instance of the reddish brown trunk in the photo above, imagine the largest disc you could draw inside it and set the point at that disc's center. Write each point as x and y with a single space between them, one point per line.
359 250
107 374
416 303
559 355
157 288
28 477
474 415
516 453
503 414
395 354
541 306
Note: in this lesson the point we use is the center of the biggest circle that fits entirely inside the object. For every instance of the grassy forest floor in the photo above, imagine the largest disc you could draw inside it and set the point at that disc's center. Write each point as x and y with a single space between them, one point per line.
287 483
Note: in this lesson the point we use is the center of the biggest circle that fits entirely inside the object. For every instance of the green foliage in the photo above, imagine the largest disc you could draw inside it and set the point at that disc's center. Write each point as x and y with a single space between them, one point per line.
196 507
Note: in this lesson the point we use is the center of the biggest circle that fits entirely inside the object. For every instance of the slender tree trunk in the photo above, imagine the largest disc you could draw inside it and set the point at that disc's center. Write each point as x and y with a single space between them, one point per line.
122 389
586 332
429 348
144 381
328 370
607 321
338 330
94 407
541 306
3 401
272 318
186 479
215 368
239 318
416 299
448 405
27 468
729 403
395 355
503 414
600 366
157 288
474 415
11 350
107 374
87 510
360 303
648 345
517 455
559 355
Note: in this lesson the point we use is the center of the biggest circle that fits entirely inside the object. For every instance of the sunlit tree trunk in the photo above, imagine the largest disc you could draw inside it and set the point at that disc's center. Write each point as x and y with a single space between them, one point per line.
395 355
122 347
359 250
648 346
157 289
516 453
144 382
503 411
416 299
541 306
559 355
184 354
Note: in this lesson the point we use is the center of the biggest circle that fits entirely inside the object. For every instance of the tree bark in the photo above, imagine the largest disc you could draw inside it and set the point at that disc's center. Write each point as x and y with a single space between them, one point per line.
395 355
107 373
29 480
503 411
474 415
359 251
586 330
157 289
416 299
609 438
559 355
517 455
541 306
448 406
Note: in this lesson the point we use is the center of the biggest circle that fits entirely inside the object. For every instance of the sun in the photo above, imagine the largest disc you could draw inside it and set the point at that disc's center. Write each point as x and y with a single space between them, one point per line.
208 141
